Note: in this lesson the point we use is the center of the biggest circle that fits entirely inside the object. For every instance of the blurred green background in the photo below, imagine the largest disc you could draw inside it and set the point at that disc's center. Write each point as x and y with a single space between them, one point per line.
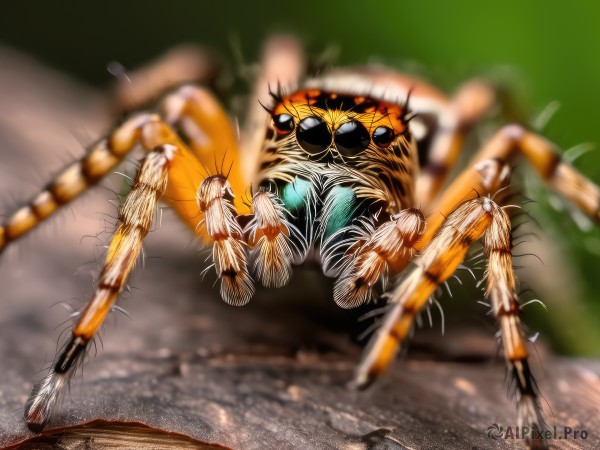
547 50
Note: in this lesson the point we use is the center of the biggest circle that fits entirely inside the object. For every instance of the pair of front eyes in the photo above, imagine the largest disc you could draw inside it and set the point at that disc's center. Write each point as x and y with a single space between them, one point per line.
315 136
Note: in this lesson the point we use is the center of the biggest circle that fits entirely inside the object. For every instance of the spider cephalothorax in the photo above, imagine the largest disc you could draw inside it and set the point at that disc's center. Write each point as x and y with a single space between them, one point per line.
344 139
337 171
334 160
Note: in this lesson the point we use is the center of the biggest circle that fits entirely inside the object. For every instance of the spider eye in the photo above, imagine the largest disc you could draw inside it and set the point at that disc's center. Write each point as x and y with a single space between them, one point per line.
284 124
383 136
352 138
313 134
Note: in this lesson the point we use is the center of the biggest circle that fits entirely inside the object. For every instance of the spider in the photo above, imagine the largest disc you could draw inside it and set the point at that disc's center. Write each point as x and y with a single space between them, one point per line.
345 168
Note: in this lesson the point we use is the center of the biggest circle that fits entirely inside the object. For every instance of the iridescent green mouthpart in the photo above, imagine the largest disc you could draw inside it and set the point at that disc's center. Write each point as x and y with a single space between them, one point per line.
294 195
341 206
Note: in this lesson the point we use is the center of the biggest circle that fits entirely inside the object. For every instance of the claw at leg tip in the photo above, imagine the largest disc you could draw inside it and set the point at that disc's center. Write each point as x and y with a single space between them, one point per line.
34 426
34 416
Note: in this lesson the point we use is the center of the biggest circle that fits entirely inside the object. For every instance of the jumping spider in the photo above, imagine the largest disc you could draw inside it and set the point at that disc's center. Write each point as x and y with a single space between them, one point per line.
332 166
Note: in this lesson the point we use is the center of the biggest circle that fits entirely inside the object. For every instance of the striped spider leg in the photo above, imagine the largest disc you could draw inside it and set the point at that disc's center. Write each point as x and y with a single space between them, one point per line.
141 129
179 175
169 171
458 220
136 215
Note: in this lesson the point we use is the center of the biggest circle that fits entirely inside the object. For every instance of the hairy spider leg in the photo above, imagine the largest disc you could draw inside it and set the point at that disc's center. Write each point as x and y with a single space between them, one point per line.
72 181
185 176
274 241
502 294
211 136
205 202
458 220
505 145
374 254
472 220
135 218
470 104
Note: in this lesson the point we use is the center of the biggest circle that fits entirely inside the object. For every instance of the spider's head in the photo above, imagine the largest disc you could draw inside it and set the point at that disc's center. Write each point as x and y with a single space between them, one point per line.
341 127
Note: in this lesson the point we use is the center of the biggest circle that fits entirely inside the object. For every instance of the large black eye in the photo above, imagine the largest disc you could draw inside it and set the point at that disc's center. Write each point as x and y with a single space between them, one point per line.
284 124
383 137
313 134
352 138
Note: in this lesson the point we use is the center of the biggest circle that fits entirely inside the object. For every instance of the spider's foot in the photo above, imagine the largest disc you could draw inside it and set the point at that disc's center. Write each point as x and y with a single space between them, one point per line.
45 395
382 439
43 400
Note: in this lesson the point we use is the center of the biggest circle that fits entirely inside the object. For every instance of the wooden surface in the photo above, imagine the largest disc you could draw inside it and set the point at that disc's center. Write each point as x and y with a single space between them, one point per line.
272 374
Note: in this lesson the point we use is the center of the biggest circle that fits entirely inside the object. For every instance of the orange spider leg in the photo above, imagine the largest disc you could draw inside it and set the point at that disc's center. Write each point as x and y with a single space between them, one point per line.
186 173
504 146
135 219
502 294
71 182
211 136
472 101
87 172
183 64
472 220
275 242
191 194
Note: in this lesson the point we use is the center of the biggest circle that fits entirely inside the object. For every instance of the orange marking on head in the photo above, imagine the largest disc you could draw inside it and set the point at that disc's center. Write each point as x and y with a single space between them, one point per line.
337 109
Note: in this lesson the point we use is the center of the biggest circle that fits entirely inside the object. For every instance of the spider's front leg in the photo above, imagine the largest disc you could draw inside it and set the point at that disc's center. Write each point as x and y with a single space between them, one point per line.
170 160
470 221
136 215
